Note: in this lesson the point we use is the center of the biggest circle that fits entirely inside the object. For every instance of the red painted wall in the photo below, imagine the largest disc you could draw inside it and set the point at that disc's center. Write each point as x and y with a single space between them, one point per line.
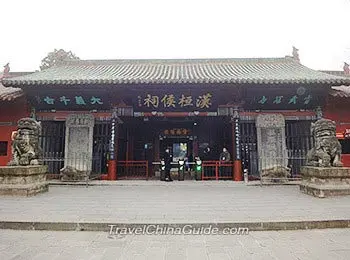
10 113
338 110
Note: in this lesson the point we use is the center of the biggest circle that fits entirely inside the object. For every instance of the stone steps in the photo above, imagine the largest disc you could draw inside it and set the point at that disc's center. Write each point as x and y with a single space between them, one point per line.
104 226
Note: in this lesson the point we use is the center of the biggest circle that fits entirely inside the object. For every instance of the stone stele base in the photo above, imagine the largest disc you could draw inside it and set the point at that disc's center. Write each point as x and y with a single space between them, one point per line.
23 180
325 182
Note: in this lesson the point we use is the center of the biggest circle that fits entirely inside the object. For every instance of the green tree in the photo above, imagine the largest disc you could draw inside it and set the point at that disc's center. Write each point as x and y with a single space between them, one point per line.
57 57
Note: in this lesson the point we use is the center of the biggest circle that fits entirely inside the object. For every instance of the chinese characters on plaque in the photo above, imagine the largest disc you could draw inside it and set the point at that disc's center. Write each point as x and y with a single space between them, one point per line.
293 97
173 101
76 100
285 100
237 138
176 131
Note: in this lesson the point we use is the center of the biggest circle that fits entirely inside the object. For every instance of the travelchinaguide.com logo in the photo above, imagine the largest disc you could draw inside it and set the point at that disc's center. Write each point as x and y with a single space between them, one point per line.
163 229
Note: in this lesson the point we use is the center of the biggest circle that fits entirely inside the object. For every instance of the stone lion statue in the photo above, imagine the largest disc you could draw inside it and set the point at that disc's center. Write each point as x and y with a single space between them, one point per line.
327 150
25 144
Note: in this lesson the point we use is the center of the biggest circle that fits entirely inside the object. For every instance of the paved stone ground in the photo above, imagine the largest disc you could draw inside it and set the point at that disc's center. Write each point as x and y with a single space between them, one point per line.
307 244
177 202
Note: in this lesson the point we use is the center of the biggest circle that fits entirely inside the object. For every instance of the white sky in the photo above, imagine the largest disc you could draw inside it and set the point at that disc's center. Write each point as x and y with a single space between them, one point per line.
103 29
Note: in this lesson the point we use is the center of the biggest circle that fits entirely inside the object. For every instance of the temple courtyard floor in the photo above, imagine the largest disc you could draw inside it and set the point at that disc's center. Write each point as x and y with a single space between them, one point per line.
178 220
68 207
287 245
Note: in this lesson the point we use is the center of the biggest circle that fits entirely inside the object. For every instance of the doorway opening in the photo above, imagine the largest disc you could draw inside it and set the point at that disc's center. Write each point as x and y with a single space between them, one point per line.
146 139
180 147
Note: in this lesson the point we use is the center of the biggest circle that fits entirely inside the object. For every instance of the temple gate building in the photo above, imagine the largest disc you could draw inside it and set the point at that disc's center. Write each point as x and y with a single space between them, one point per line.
120 113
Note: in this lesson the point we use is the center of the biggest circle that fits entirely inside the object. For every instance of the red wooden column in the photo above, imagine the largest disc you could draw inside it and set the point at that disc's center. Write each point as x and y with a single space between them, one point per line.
236 139
112 170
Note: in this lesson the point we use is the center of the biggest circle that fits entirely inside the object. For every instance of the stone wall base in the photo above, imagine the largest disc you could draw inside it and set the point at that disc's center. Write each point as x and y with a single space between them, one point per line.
325 182
23 180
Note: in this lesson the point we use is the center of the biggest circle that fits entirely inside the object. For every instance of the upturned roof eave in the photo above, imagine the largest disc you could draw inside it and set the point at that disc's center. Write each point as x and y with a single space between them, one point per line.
29 83
257 71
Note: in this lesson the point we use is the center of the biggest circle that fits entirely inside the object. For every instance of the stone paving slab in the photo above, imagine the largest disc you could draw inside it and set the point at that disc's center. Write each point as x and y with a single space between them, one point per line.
177 202
294 245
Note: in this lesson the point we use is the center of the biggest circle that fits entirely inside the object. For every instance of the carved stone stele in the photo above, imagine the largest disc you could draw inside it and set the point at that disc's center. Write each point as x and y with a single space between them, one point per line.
272 150
78 147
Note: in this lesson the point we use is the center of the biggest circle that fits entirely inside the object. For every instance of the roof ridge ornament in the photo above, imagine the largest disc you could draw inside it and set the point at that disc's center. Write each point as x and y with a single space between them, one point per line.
346 69
6 71
295 54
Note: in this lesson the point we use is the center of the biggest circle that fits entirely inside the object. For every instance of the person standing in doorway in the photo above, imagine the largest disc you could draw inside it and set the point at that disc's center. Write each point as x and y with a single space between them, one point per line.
189 162
167 159
225 157
207 154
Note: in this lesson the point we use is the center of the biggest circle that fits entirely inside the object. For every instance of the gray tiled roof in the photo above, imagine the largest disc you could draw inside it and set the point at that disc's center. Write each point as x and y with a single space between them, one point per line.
8 94
340 91
237 71
336 72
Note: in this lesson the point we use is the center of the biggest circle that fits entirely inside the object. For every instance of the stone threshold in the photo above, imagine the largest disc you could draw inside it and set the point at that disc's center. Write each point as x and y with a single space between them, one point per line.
142 183
105 227
161 183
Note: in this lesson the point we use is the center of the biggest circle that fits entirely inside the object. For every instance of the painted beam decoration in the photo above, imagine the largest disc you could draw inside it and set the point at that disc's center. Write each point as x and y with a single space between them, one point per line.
147 102
177 100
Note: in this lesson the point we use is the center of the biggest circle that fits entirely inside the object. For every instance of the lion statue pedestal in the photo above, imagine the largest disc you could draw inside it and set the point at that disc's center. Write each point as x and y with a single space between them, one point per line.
324 175
23 180
24 176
